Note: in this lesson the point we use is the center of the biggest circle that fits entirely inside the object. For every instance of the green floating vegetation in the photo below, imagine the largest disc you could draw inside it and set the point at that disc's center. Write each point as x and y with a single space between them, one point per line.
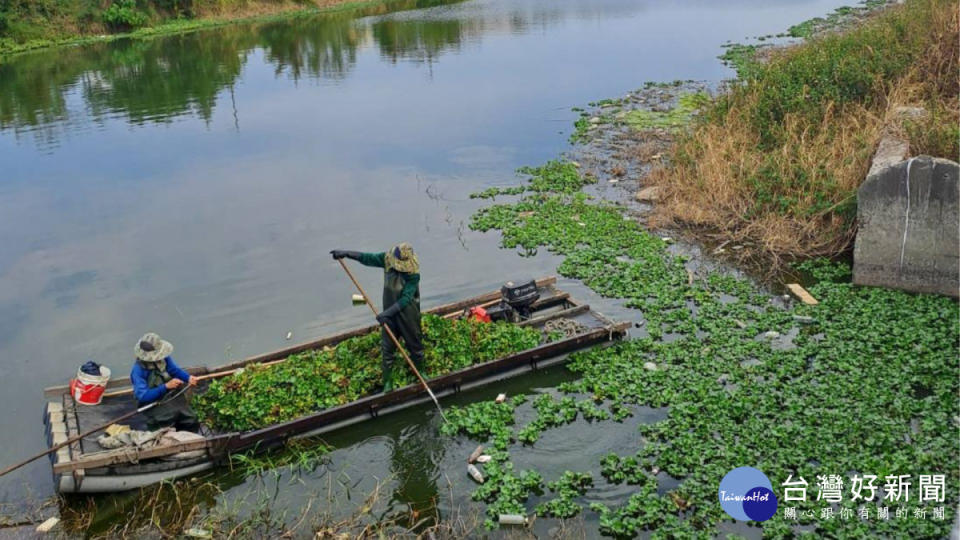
570 486
494 192
486 420
869 387
556 176
835 19
318 379
504 491
740 57
610 111
687 105
550 413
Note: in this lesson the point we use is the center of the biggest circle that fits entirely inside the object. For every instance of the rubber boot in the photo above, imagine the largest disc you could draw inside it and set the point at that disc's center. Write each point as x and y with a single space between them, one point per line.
418 362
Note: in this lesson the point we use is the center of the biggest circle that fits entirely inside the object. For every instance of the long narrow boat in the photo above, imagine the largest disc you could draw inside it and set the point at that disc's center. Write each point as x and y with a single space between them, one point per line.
84 467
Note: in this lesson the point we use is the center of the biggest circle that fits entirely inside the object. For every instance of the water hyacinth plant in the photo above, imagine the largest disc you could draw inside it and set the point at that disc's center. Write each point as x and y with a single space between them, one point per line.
865 382
318 379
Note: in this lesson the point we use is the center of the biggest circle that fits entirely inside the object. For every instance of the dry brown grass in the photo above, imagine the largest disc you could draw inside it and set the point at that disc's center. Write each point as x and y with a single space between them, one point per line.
796 196
257 8
716 191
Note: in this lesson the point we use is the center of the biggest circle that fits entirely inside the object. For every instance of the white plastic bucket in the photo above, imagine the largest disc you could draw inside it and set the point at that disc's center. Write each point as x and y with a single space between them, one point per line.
88 389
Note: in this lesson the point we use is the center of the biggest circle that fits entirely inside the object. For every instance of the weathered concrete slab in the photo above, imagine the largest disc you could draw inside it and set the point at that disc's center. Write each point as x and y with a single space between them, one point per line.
649 194
909 227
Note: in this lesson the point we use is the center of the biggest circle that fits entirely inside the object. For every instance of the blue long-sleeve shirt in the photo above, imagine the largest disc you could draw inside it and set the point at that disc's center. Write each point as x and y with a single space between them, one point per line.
145 394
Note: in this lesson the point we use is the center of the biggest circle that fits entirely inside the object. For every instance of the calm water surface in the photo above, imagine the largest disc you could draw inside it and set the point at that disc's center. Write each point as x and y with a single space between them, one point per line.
193 185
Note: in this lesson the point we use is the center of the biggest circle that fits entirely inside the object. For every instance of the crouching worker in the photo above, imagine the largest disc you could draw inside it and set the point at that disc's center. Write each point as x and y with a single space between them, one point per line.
154 375
401 303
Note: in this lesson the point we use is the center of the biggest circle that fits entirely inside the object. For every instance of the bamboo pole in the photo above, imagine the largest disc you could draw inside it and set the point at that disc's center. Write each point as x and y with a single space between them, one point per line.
208 376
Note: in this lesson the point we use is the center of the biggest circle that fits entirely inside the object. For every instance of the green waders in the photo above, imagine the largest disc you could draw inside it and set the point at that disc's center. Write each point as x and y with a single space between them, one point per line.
405 325
175 412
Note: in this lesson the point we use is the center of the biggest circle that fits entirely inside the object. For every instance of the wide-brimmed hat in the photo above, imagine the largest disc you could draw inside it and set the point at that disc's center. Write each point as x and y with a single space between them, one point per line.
402 259
151 348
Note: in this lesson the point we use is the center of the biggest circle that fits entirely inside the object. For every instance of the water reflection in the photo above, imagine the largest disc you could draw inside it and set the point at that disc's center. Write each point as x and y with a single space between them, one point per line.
416 40
325 47
160 79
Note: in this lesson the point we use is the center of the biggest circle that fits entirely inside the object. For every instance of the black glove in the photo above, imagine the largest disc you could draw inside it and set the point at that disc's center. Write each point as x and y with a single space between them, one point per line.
341 253
385 315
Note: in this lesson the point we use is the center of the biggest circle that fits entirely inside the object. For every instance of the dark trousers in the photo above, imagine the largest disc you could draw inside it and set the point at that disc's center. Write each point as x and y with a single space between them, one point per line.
176 413
410 334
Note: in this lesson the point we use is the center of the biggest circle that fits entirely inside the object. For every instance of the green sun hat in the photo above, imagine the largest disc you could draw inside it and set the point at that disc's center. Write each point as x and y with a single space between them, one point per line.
402 259
152 349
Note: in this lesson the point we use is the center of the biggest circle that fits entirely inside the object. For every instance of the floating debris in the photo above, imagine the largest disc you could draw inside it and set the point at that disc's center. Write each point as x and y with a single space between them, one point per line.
802 294
475 473
512 519
357 298
484 458
289 335
500 398
48 525
476 453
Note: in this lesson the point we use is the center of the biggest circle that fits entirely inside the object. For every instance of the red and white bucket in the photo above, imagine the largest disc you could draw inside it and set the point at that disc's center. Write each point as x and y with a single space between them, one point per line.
88 389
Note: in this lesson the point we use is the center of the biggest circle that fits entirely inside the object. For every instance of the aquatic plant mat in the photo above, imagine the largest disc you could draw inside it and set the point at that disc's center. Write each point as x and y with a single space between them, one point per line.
775 161
315 380
863 383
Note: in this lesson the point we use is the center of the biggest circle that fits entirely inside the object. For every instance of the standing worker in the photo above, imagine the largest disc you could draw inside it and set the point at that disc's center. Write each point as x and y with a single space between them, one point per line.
401 303
155 374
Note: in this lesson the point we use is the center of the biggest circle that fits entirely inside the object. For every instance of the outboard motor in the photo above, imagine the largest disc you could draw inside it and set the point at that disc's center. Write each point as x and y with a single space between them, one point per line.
515 305
520 296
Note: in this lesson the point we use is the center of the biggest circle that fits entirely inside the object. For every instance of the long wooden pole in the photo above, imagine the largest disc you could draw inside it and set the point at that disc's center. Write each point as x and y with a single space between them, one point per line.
89 432
394 338
208 376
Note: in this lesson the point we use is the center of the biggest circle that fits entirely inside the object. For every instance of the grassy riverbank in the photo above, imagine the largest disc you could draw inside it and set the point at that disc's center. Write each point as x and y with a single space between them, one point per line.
26 26
775 161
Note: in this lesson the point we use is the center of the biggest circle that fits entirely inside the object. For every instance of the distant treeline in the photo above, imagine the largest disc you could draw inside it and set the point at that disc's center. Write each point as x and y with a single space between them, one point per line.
22 21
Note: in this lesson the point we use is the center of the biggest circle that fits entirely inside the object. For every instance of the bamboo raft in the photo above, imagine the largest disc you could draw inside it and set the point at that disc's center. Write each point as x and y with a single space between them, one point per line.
84 467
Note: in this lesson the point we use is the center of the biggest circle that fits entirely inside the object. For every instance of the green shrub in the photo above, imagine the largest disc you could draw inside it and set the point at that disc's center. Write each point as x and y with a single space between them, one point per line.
124 15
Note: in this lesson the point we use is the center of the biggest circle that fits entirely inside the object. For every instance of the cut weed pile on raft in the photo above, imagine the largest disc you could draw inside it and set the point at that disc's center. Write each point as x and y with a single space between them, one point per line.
315 380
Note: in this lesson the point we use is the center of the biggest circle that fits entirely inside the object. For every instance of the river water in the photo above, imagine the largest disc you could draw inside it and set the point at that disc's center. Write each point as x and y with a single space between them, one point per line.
192 185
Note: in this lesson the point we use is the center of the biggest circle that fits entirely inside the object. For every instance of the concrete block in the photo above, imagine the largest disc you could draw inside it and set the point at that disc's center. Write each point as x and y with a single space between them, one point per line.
649 194
909 227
